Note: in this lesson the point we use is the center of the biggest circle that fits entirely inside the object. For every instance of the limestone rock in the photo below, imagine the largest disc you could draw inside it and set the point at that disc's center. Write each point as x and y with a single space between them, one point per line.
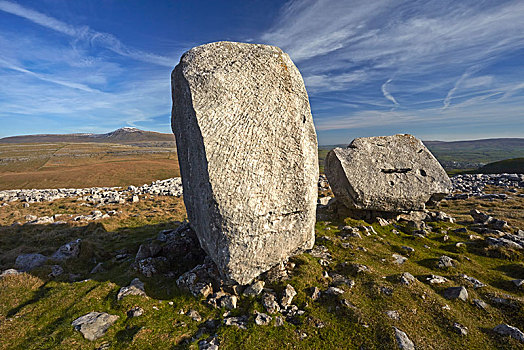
27 262
136 287
387 173
288 295
262 319
247 151
514 332
67 251
254 289
403 340
94 324
456 293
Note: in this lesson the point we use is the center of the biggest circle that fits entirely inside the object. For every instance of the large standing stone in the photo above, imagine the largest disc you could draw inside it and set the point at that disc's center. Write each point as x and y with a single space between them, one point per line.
386 173
247 150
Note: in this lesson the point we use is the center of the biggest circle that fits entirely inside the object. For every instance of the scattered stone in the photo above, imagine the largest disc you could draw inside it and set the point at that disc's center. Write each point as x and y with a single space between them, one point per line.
386 290
279 321
315 293
56 270
209 344
10 272
135 312
288 295
239 322
274 175
262 319
394 315
194 315
198 280
98 268
136 287
270 303
434 279
403 341
94 324
324 200
359 268
229 302
444 262
461 230
514 332
408 249
456 293
480 304
67 251
401 174
27 262
460 329
475 282
406 278
382 222
518 283
335 291
399 259
254 289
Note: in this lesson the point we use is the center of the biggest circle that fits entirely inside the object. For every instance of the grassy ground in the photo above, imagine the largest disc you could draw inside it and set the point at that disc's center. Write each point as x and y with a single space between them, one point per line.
36 310
75 165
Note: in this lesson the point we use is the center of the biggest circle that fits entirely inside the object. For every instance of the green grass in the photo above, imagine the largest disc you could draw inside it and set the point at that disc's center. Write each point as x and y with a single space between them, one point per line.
36 311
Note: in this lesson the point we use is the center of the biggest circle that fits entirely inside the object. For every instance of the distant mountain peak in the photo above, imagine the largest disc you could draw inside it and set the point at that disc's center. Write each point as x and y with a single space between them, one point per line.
125 129
128 129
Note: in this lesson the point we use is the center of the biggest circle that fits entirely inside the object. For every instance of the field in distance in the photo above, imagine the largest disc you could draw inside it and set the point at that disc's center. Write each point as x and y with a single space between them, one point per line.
120 158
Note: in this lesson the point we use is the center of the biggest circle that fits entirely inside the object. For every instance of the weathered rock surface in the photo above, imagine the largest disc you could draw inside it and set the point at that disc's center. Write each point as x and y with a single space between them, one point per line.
456 293
67 251
247 150
27 262
136 287
403 340
94 324
514 332
387 173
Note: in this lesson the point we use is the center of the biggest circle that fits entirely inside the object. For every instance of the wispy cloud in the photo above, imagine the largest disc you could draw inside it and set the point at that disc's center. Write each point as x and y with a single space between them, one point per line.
441 54
387 94
43 77
84 33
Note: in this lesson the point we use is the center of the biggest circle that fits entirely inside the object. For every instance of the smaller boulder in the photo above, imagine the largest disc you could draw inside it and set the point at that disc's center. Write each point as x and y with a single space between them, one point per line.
514 332
67 251
456 293
136 287
445 262
27 262
460 329
94 324
262 319
270 303
135 312
403 340
254 289
288 295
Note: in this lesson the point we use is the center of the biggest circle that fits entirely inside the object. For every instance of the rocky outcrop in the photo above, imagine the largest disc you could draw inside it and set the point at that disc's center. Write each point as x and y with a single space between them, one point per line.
247 151
388 173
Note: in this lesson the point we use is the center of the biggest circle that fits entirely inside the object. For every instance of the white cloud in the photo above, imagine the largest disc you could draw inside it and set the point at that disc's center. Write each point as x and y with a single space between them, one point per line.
84 33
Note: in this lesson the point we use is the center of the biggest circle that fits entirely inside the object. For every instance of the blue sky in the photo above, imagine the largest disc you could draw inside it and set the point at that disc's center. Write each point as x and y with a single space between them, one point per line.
441 70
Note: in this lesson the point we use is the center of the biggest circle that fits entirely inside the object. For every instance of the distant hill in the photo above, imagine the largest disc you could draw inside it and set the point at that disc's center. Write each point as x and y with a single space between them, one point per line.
465 154
122 135
477 151
512 166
